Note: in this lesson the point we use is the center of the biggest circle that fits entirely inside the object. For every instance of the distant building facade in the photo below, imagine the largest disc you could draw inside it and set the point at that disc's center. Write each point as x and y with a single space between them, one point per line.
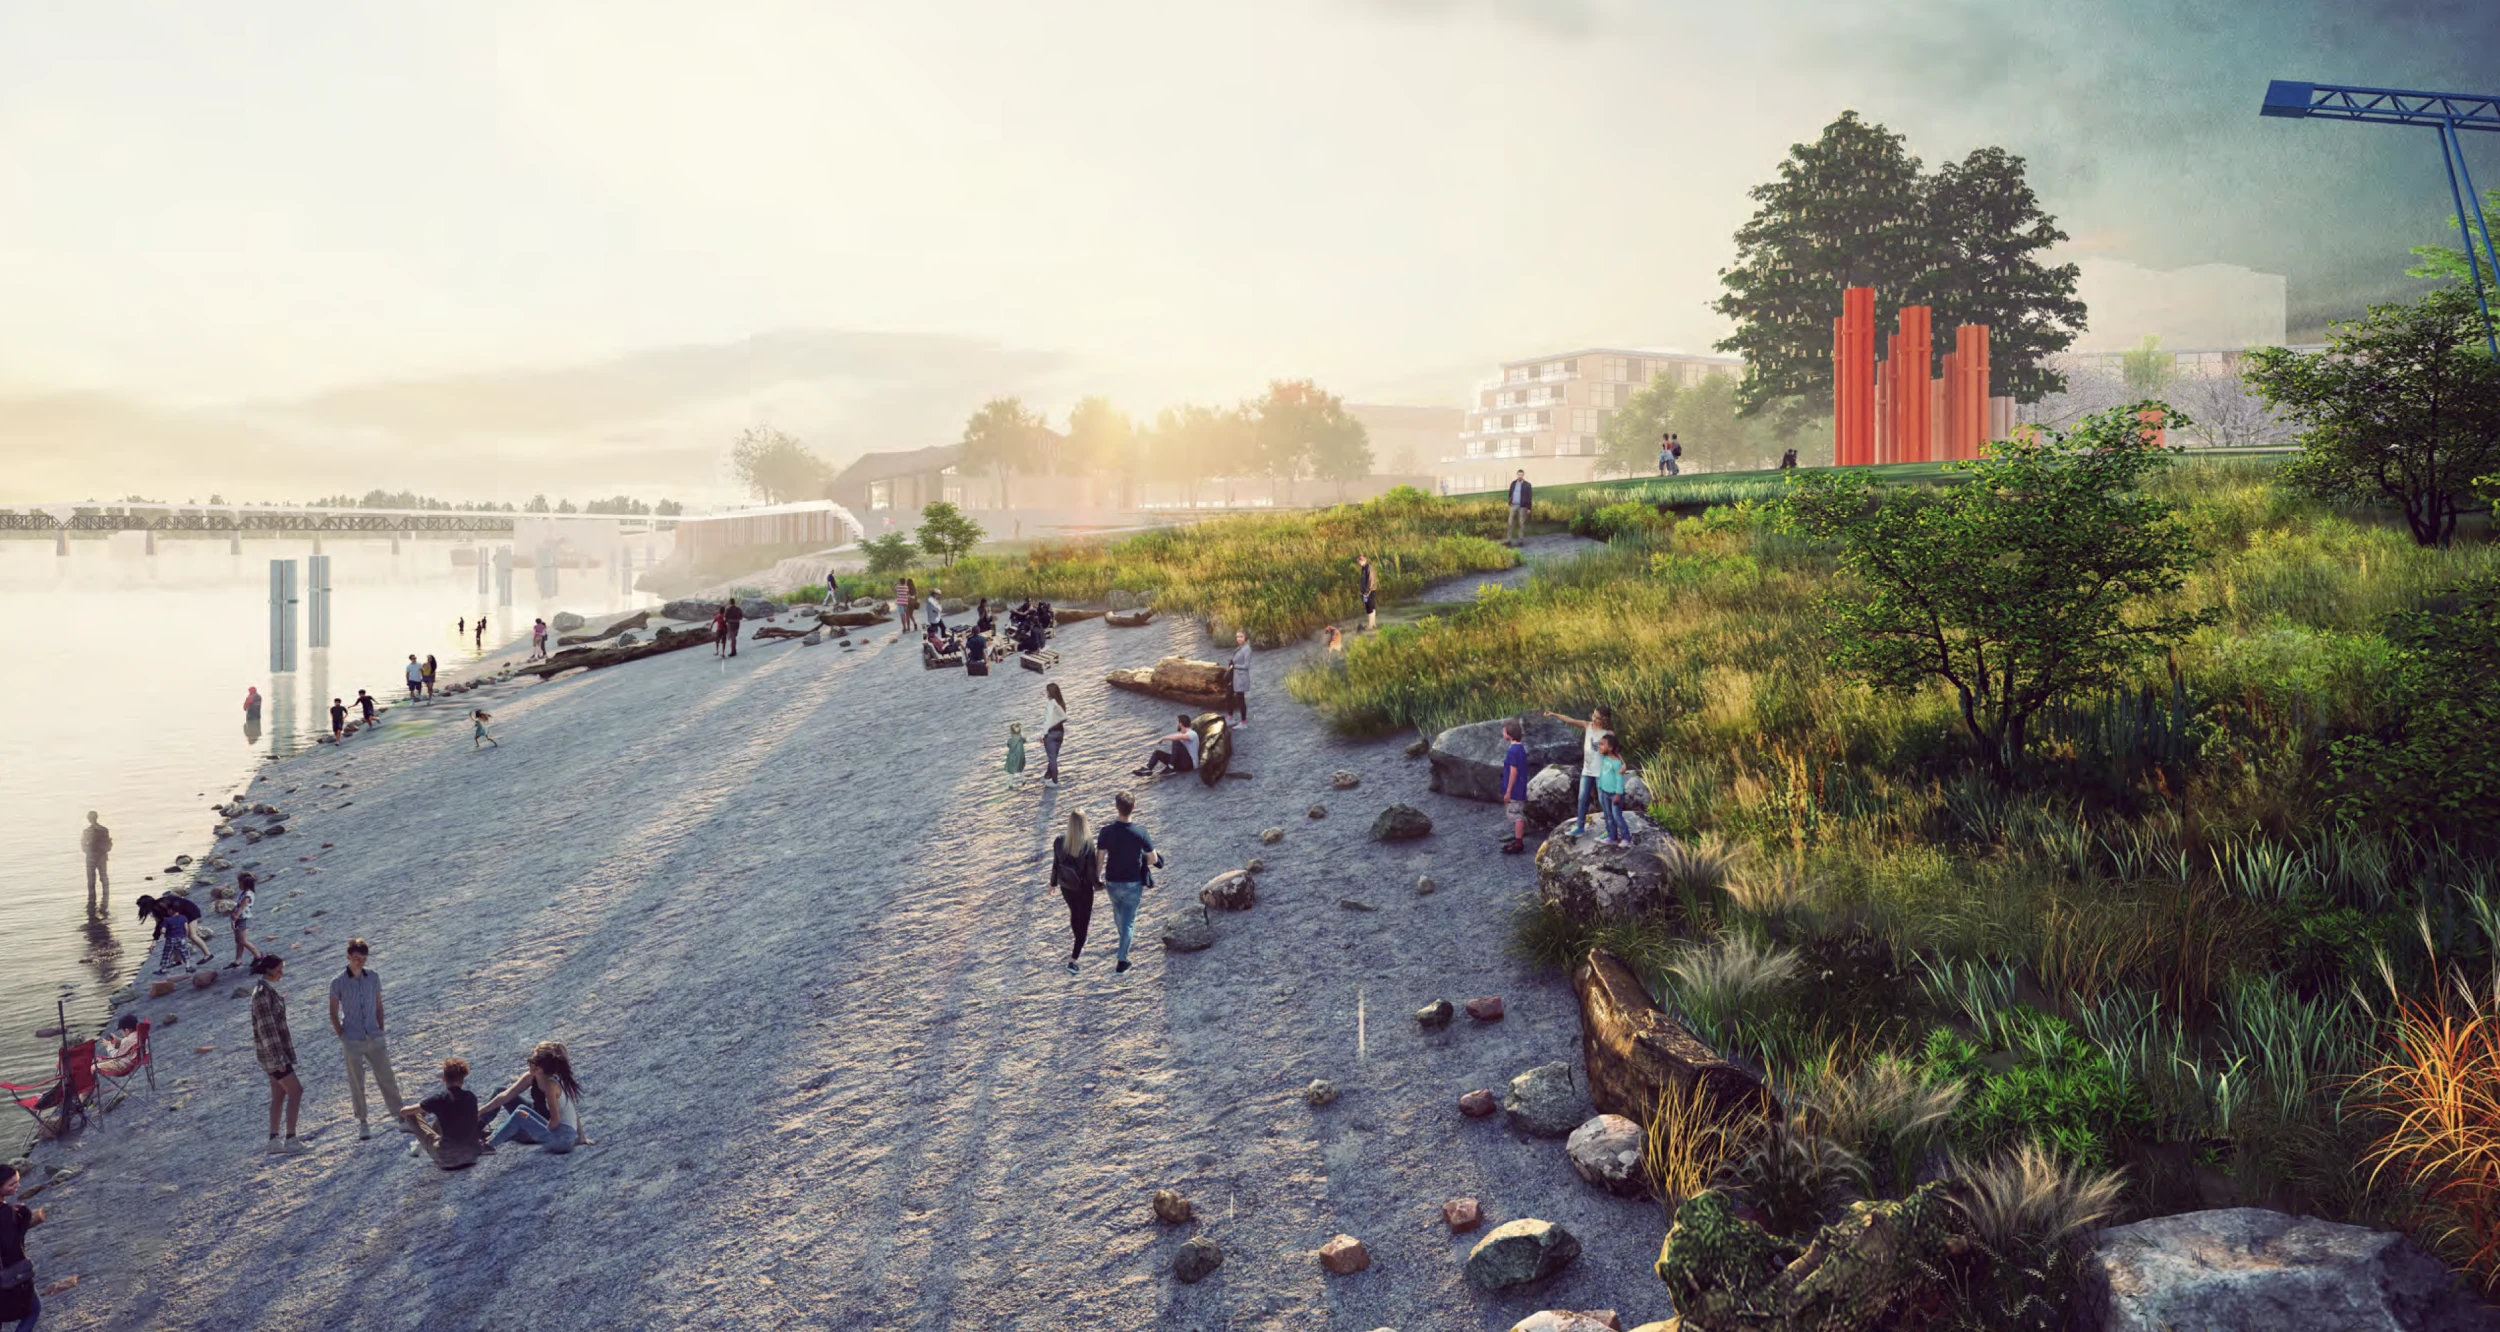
898 485
1544 415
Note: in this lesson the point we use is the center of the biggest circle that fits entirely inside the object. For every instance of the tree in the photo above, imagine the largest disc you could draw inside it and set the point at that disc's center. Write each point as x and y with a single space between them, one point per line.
618 504
889 554
1711 425
1004 437
1298 424
946 532
2403 406
1853 209
667 508
1102 441
537 504
2447 263
776 468
1628 442
2146 368
2033 580
2435 765
2227 413
566 506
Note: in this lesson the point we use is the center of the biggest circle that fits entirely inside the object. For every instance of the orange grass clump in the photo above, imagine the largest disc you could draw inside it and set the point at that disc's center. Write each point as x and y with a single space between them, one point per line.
2440 1085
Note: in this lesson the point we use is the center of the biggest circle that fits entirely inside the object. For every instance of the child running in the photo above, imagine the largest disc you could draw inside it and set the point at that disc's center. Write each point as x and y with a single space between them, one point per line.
477 731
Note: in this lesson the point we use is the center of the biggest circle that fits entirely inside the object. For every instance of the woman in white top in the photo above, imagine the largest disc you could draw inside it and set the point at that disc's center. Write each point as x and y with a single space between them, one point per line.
1599 725
553 1117
1054 730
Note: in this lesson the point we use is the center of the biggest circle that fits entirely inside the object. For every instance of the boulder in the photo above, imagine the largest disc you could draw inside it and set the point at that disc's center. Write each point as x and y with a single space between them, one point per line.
1462 1215
1570 1320
1401 823
1554 795
2247 1267
1232 890
201 980
1320 1092
859 616
1129 619
1638 1057
1171 1208
1467 760
1606 1151
1590 881
1200 684
1215 747
1435 1015
1196 1259
1883 1264
1418 747
1477 1104
1519 1253
629 639
757 608
1317 811
1344 1255
1188 931
565 622
690 609
1344 780
1543 1103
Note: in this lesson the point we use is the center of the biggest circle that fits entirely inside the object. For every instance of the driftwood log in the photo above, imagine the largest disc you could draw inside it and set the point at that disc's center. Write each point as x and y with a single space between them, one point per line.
1639 1058
1129 619
1200 684
591 659
773 631
1215 747
637 620
1060 615
852 619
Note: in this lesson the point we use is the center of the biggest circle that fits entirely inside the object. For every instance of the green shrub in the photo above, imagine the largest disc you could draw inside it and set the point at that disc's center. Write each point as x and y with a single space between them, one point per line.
2060 1091
2435 765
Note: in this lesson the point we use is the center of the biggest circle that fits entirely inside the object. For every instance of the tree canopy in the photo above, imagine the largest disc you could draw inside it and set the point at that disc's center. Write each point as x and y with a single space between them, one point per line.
1297 425
1855 208
947 532
776 468
1005 437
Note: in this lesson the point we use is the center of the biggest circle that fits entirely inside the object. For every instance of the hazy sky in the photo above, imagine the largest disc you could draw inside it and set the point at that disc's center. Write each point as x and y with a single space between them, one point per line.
198 205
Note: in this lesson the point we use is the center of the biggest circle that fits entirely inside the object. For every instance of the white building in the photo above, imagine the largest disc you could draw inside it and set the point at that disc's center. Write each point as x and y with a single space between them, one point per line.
1544 415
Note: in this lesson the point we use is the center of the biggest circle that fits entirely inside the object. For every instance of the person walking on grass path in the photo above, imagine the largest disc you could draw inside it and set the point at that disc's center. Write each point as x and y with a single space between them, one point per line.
1076 871
96 841
1610 791
1368 583
416 680
1054 731
18 1300
1522 499
1599 725
1129 861
356 1016
1515 786
244 883
478 738
1238 699
274 1046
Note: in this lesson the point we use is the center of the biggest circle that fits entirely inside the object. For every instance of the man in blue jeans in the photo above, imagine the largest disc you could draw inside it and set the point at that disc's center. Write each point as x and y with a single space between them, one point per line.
1129 859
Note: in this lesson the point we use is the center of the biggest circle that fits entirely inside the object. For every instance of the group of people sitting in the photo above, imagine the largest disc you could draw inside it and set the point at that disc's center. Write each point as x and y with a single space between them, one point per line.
1031 624
450 1125
1029 627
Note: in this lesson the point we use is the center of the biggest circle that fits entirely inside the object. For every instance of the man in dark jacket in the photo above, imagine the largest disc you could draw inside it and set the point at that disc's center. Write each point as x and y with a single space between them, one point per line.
733 616
1522 499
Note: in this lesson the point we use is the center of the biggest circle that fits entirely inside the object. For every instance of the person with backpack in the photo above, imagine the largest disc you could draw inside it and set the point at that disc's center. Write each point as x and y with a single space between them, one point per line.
1129 860
18 1300
1076 871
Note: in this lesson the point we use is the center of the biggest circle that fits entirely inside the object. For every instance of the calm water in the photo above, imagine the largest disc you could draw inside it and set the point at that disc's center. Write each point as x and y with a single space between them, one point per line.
125 687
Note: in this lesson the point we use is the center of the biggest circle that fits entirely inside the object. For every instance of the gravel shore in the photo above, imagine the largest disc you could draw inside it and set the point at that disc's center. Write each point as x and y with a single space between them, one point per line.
790 917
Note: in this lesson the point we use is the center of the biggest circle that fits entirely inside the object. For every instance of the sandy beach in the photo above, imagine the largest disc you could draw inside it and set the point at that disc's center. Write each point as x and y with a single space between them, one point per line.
791 919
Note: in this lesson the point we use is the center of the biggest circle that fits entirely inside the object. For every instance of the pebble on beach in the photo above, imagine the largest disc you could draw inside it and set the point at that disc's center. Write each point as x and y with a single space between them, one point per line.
1319 1093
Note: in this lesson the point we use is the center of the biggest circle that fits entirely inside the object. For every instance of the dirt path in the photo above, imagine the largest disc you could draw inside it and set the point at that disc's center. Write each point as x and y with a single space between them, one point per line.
791 921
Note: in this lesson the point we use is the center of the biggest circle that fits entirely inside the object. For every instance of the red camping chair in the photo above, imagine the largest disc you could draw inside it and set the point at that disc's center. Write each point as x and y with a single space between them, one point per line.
66 1098
121 1072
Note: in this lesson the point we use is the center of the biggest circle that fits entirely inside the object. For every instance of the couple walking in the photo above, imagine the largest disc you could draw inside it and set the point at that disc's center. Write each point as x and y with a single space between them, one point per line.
1120 860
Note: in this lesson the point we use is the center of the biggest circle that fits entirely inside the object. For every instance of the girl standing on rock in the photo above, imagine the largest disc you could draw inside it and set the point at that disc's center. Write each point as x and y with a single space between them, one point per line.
1610 786
274 1046
1054 730
1076 871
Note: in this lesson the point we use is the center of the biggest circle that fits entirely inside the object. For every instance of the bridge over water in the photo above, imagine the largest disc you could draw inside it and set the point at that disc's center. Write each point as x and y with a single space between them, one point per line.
228 519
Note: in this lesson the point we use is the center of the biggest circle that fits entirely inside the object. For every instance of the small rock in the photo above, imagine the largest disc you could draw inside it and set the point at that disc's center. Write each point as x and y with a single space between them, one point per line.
241 992
1462 1215
1418 747
1517 1253
1171 1208
1253 865
205 1049
1424 886
1435 1015
1401 823
203 980
1319 1093
1355 904
1197 1259
1485 1008
1606 1151
1570 1320
169 1019
1188 930
1344 780
159 989
1543 1102
1477 1104
56 1287
1232 890
1319 811
1271 836
1344 1255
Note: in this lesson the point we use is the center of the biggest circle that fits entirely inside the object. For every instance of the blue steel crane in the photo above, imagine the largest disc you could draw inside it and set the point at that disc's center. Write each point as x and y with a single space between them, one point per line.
2449 113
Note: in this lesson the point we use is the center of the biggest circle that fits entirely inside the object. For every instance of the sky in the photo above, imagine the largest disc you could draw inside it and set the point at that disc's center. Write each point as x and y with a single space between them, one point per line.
1181 199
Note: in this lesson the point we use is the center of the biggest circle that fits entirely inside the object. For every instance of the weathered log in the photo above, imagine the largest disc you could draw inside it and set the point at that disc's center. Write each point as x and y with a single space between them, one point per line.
852 619
1638 1057
1060 615
637 620
773 631
1129 619
1180 686
591 659
1215 747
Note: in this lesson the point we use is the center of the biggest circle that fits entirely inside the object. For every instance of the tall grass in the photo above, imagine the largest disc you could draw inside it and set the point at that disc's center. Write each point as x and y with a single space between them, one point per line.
2440 1090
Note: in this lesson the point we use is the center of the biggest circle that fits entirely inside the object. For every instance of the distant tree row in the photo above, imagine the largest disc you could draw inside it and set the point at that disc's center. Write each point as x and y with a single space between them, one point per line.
624 505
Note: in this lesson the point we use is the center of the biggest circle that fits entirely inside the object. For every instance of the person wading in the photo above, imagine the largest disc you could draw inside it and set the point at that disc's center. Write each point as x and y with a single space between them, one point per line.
1054 731
97 841
1076 871
416 680
356 1017
274 1046
1128 864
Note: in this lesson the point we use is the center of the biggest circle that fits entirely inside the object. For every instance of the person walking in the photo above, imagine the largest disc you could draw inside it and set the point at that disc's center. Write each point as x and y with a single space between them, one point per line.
338 720
1522 499
429 677
1662 455
1054 731
1076 871
1369 584
1599 725
1515 786
1239 697
244 884
733 617
365 704
356 1017
1673 455
1015 752
96 841
720 633
416 679
18 1300
480 642
907 605
1129 861
478 738
274 1046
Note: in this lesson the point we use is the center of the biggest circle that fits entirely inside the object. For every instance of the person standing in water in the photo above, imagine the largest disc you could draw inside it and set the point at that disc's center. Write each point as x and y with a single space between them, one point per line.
96 841
480 642
416 679
251 705
274 1046
461 628
1054 731
1369 584
1076 871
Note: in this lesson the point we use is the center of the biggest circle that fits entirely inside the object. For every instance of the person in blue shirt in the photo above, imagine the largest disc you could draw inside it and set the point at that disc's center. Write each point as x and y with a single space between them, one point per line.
1610 786
1128 863
1515 787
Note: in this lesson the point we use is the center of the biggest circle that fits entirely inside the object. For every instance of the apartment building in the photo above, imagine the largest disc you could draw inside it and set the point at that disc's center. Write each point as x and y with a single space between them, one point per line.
1543 415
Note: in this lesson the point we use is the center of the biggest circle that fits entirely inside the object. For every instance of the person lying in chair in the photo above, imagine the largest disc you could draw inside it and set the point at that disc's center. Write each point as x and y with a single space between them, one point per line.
1177 752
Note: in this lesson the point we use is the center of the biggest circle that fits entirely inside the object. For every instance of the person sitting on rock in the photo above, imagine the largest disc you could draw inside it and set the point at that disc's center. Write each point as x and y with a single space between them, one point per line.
457 1135
1177 752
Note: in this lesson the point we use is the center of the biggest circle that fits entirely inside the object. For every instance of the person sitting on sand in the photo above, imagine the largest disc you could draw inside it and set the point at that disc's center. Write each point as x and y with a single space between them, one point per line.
552 1119
477 731
456 1136
1177 751
244 883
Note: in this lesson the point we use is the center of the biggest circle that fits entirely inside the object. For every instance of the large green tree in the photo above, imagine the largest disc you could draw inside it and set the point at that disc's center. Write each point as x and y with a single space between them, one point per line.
2041 576
2447 263
1003 438
1855 209
2402 407
946 532
1102 441
1300 426
775 467
1628 442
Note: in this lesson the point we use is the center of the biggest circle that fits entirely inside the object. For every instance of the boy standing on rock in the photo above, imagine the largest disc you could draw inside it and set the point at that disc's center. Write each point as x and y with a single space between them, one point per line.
356 1015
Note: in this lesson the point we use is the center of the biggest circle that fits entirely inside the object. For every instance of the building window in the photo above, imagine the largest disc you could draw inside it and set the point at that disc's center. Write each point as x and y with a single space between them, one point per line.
1571 367
880 495
1517 374
1475 448
1584 420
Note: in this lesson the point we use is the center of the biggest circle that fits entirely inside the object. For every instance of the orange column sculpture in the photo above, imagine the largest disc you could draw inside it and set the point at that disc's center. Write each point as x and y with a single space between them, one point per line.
1949 420
1914 354
1854 442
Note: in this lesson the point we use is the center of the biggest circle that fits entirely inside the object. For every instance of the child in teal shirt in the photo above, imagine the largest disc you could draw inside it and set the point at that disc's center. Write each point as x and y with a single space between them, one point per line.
1610 792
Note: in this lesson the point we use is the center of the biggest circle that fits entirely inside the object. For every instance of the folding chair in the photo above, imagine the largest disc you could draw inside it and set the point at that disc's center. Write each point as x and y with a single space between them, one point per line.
68 1097
121 1073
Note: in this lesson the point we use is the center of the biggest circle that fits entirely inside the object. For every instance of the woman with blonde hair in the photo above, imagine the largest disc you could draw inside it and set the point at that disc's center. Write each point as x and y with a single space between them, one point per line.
1076 871
552 1119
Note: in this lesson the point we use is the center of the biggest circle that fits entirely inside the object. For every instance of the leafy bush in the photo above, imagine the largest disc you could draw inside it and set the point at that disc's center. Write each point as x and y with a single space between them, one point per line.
1633 520
2061 1091
2435 765
889 554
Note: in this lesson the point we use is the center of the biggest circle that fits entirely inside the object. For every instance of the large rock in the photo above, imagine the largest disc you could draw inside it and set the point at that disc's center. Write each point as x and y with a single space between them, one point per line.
1232 890
1606 1151
757 608
1519 1253
1200 684
1215 747
1639 1058
1188 930
1883 1264
1554 796
1196 1259
565 622
2244 1267
1467 760
1588 880
1570 1320
1401 823
1344 1255
1543 1103
689 608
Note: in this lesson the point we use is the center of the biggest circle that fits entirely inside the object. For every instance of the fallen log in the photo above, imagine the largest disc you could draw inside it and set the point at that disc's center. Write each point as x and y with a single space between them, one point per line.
637 620
1201 684
1071 615
772 631
1640 1059
852 619
1129 619
591 659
